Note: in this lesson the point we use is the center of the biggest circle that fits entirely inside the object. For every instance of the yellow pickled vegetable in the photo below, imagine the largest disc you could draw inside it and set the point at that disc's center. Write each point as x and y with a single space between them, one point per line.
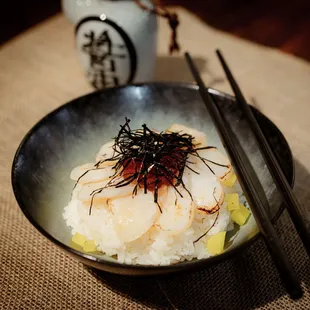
215 243
232 202
75 246
230 181
241 215
79 239
90 246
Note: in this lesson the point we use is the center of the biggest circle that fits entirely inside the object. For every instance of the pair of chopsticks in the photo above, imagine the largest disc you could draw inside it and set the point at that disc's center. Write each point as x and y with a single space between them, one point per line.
250 183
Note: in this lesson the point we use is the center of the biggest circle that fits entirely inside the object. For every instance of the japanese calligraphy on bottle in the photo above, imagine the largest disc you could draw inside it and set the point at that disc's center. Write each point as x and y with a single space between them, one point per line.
106 52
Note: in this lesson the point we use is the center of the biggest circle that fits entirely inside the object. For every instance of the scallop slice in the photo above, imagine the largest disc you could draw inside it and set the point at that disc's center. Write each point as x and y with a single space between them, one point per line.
102 191
199 137
163 195
78 171
207 191
133 216
106 152
97 175
217 162
177 212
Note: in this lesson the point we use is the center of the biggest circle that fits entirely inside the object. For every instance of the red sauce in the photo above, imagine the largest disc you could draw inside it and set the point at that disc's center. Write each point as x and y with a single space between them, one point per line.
169 161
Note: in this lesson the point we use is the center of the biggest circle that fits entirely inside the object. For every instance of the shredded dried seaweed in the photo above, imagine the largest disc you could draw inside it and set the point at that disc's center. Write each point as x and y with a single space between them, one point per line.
150 159
216 218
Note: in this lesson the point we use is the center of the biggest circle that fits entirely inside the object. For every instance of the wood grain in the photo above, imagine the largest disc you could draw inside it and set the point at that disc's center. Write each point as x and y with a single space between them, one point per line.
281 24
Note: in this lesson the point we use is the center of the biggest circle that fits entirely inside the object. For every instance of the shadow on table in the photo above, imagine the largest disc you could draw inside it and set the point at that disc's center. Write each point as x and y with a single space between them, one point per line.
247 281
175 69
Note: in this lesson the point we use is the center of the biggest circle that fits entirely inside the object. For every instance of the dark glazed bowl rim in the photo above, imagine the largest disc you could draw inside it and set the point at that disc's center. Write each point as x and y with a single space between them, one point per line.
149 269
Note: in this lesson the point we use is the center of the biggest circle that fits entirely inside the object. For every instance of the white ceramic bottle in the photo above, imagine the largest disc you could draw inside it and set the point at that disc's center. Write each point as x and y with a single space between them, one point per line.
115 40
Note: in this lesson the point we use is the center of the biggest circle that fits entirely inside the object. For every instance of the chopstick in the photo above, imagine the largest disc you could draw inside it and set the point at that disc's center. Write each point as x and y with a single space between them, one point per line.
293 207
251 186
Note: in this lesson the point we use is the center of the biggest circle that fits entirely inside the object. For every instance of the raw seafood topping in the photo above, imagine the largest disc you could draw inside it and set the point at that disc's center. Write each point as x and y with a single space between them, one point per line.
151 159
156 198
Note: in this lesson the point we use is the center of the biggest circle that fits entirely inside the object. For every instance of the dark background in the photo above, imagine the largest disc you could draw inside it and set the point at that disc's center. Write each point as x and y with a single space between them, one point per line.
284 24
18 15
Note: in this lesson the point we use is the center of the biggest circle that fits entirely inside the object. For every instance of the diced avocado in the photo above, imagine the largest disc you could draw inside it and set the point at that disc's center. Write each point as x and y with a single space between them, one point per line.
241 215
230 181
232 202
215 244
79 239
90 246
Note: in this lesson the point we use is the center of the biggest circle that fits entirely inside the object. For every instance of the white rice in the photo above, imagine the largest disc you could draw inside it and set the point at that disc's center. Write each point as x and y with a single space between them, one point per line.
155 247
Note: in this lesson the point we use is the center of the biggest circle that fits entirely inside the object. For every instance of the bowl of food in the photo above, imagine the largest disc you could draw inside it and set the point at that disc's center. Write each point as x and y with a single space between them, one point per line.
134 180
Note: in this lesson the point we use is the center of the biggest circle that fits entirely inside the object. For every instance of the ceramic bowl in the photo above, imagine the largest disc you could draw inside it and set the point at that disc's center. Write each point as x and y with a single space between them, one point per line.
73 134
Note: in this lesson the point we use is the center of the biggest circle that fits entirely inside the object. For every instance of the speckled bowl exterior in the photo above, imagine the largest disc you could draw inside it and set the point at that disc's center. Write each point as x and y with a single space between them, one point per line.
73 134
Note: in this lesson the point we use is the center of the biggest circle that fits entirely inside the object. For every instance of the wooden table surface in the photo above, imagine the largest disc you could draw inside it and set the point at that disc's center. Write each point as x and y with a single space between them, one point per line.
277 23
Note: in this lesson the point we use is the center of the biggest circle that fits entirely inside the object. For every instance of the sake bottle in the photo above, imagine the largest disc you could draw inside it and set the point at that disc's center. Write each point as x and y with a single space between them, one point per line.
115 40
